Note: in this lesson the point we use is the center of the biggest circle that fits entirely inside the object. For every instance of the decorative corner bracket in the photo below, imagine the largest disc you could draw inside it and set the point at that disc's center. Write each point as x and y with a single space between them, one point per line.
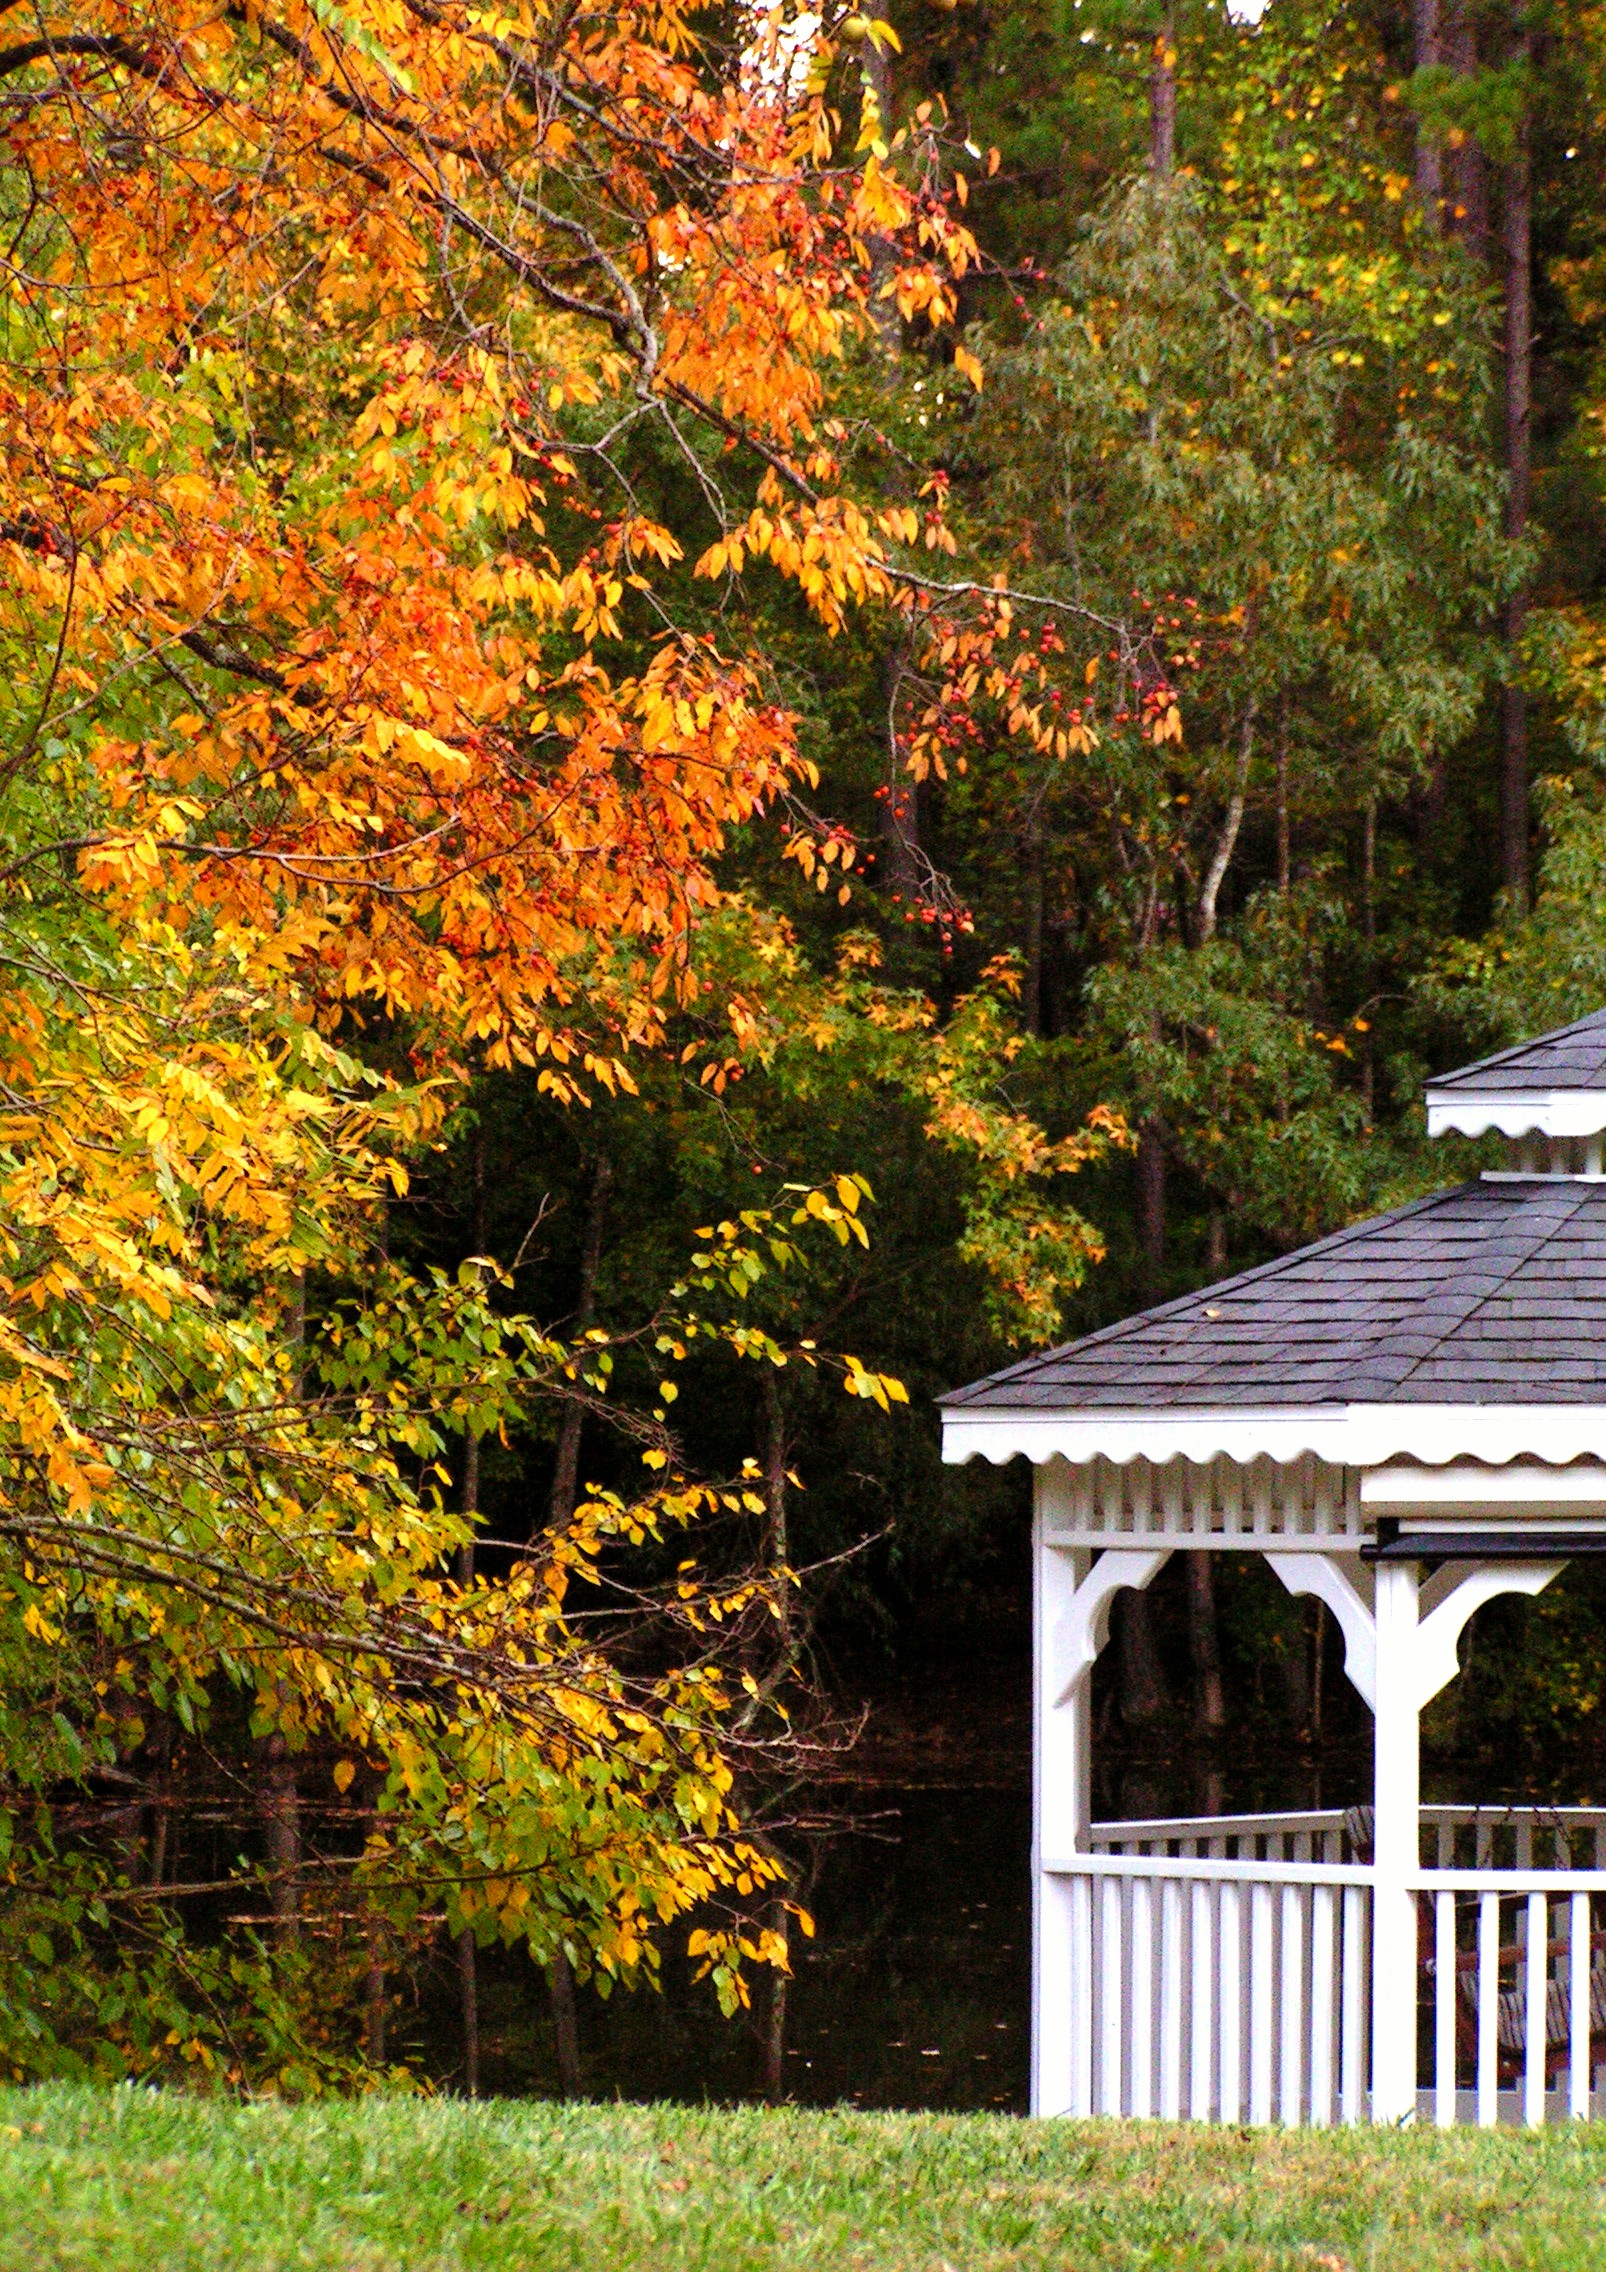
1084 1626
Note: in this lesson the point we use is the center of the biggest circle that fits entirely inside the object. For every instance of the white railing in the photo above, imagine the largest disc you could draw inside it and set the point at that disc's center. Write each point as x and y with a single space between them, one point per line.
1317 1835
1221 1990
1220 1968
1513 1994
1453 1837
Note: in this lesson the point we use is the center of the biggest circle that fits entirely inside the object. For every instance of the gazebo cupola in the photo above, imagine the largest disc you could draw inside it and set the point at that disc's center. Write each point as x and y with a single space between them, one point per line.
1547 1097
1405 1420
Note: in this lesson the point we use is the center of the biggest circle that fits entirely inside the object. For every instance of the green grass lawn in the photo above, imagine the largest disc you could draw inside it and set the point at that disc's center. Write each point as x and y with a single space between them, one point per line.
135 2181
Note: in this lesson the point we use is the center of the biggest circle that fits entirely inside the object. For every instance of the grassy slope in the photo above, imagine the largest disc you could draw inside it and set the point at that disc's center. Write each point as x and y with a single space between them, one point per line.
131 2181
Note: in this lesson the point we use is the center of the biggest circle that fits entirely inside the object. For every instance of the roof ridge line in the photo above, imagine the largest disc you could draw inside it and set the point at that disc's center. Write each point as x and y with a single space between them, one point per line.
1281 1262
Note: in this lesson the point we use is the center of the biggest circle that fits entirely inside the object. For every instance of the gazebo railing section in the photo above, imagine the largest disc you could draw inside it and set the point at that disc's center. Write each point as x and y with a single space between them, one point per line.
1220 1967
1218 1990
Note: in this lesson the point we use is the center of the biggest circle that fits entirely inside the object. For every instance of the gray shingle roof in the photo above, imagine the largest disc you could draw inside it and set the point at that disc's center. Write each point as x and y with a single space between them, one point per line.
1491 1293
1573 1057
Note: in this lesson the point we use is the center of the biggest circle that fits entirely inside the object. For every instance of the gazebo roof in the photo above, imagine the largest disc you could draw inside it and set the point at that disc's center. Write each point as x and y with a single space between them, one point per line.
1554 1086
1478 1295
1471 1324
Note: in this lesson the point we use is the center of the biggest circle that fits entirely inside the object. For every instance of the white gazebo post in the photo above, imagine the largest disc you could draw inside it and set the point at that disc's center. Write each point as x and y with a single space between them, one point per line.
1072 1603
1397 1800
1403 1420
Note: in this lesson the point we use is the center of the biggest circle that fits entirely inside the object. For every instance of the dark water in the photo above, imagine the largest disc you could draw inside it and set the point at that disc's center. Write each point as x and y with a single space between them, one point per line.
913 1993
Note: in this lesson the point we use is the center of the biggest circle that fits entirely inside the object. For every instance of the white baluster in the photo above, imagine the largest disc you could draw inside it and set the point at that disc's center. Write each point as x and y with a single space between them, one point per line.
1578 2006
1488 2006
1082 1996
1291 2079
1262 1927
1444 1993
1538 1967
1112 1998
1322 1952
1140 2068
1230 1496
1352 2048
1170 2000
1230 2015
1202 2045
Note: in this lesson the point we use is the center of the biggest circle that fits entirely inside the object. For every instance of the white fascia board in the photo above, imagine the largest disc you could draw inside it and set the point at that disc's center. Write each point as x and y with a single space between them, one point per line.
1553 1112
1581 1488
1352 1435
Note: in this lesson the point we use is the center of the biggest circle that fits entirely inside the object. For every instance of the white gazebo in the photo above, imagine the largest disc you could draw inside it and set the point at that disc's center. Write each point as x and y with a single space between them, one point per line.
1406 1420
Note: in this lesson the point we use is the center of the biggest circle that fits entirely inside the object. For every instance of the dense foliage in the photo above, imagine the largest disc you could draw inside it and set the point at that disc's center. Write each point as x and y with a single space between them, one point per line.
662 666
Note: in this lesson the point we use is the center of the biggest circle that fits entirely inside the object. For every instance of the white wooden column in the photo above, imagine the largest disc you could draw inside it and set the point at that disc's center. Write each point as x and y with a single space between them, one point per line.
1072 1597
1061 1806
1397 1790
1416 1657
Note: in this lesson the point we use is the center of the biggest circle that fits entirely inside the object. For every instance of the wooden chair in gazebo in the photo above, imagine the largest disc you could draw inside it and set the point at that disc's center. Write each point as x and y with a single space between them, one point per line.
1406 1420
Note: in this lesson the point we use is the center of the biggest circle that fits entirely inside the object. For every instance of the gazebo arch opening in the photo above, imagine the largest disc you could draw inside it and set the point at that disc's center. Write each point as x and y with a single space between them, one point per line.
1407 1421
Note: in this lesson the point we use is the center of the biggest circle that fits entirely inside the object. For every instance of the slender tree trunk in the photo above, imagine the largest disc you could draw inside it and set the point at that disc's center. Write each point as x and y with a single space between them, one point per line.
1285 845
1469 172
1227 841
161 1802
775 2017
373 2014
471 1441
1144 1696
1369 930
1143 1689
877 66
898 805
777 1544
468 1992
1163 102
1205 1643
566 1466
281 1836
1151 1209
1519 478
1429 161
1032 987
565 1494
1216 1242
565 2026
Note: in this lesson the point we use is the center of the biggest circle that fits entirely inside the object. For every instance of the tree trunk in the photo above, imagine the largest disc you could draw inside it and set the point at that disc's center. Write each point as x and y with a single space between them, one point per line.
899 803
281 1836
877 68
468 1991
471 1442
1205 1643
1163 103
775 2018
1429 161
1469 172
1032 987
566 1466
373 2015
1151 1209
1369 931
776 1544
565 2026
1285 847
1144 1696
1519 479
1227 841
